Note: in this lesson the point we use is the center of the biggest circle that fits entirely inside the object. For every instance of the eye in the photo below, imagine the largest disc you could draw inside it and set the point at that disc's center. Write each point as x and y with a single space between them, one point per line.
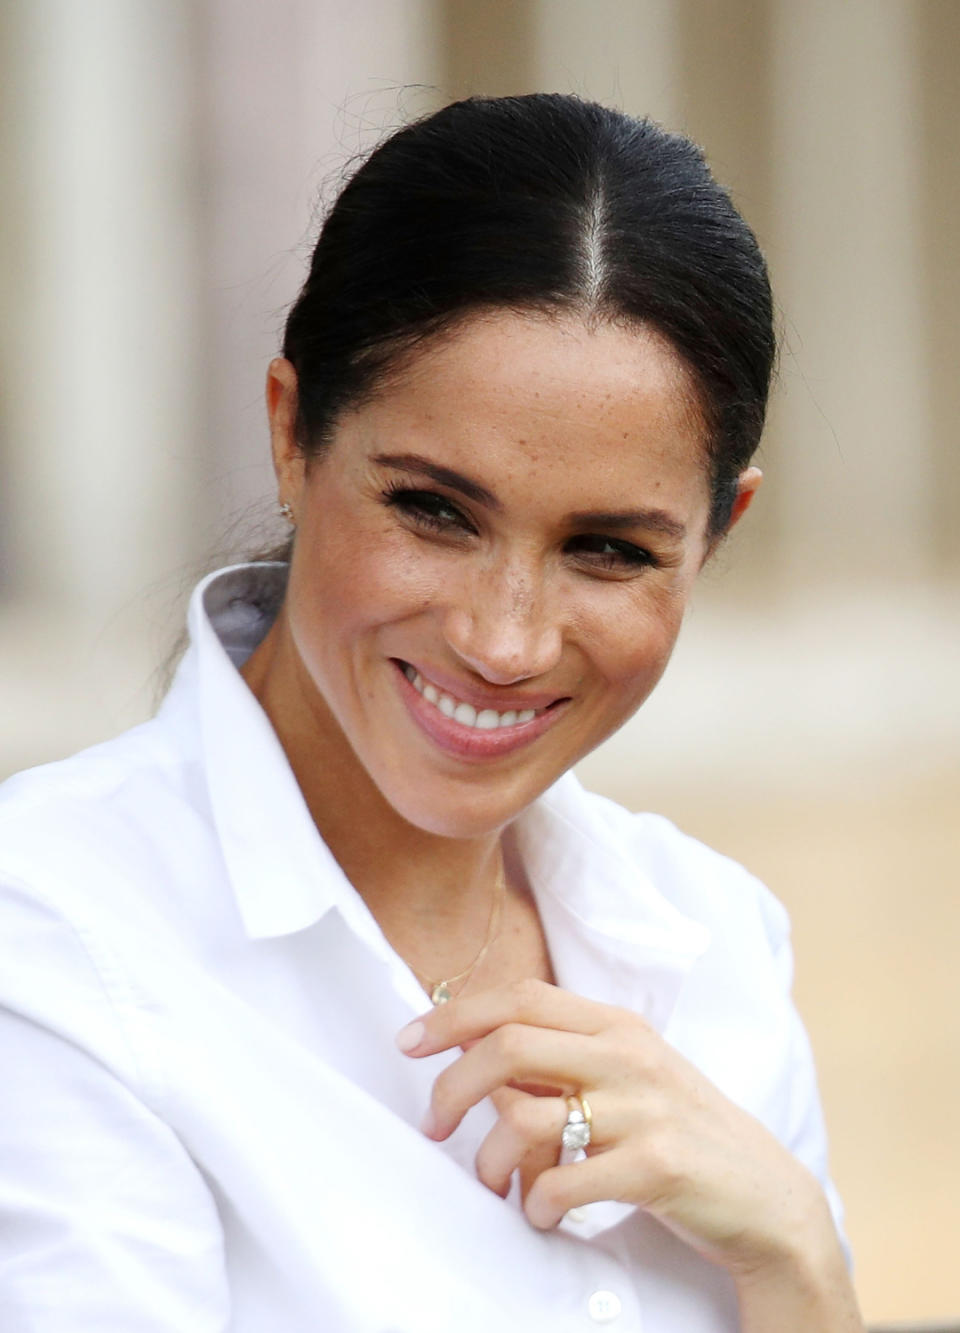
609 554
427 509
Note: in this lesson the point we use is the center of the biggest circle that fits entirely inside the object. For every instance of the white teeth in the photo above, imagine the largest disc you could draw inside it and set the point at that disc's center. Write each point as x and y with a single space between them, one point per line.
484 719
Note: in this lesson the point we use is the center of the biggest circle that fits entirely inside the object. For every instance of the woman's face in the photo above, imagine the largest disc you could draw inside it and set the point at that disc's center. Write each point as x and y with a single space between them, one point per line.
493 559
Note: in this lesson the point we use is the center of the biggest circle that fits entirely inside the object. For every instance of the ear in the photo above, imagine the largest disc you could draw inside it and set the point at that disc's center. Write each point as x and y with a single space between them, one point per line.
288 459
748 483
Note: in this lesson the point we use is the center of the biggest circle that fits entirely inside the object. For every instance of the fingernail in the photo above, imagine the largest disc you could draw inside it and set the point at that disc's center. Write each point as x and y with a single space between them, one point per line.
410 1037
428 1125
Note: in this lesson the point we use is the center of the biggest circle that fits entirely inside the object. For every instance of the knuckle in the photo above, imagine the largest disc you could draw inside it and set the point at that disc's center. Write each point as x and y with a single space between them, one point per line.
552 1191
635 1037
487 1172
514 1116
442 1097
664 1165
628 1020
523 1118
643 1036
528 993
510 1042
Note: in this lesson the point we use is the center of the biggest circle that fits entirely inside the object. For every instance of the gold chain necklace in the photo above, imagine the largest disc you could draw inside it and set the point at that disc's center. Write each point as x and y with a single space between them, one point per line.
439 991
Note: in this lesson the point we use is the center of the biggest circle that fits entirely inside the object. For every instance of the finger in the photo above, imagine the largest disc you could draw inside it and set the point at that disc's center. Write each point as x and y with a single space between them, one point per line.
510 1056
527 1135
573 1185
531 1002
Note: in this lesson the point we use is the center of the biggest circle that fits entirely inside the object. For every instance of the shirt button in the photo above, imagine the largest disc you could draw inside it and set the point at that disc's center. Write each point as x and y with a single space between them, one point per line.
604 1307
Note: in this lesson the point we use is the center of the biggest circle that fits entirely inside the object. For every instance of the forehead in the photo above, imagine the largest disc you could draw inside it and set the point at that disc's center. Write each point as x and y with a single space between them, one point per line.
552 397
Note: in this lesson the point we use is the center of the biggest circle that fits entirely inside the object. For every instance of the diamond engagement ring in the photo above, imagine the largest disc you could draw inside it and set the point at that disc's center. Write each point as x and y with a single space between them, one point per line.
576 1132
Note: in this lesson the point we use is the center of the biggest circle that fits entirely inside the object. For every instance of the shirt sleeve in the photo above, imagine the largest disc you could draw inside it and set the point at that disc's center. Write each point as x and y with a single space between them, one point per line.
750 969
105 1221
806 1133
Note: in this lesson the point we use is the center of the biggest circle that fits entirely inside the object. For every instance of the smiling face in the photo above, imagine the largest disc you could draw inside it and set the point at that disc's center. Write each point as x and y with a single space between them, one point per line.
492 560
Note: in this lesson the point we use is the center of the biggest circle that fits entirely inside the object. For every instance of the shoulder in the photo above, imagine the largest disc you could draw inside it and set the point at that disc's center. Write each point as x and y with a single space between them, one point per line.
705 883
94 785
734 1018
95 771
107 869
79 834
697 880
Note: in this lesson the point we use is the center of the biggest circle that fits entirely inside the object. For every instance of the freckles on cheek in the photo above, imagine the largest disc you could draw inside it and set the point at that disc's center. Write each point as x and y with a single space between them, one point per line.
379 599
640 650
401 587
369 576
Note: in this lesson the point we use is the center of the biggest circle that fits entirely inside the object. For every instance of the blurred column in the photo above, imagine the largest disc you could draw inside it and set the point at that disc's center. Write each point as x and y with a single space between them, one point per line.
938 22
294 91
724 63
622 54
852 414
488 49
105 358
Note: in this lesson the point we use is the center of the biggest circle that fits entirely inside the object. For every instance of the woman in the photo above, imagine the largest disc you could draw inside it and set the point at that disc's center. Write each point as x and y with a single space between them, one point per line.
514 416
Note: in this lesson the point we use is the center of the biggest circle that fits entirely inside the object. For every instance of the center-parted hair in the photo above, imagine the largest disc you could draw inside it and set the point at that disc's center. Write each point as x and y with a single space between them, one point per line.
543 203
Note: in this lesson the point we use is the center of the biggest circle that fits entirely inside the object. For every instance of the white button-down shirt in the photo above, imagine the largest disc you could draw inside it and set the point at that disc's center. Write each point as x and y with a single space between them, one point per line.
205 1123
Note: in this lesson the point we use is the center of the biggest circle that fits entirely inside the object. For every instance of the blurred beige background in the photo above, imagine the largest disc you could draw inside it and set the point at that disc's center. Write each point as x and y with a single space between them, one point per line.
160 169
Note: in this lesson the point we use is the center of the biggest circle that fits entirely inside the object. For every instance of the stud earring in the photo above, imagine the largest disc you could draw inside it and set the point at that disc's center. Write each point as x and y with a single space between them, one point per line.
286 511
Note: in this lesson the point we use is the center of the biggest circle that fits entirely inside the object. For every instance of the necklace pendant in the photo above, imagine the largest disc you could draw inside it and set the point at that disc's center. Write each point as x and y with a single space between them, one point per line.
441 993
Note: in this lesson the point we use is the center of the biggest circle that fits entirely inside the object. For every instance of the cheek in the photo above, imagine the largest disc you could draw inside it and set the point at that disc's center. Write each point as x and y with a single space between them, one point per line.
346 580
632 644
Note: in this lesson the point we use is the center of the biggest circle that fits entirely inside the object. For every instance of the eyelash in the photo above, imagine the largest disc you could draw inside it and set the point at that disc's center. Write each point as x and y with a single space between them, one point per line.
425 509
620 555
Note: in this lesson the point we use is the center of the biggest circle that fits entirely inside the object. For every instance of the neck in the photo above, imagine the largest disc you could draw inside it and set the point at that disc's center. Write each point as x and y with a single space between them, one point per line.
407 876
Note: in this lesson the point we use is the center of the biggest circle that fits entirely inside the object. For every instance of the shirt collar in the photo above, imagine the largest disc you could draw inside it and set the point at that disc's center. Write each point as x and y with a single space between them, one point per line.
579 851
283 874
607 922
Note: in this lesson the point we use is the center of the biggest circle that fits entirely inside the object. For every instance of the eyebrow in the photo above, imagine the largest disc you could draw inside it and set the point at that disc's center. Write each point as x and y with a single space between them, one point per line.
653 520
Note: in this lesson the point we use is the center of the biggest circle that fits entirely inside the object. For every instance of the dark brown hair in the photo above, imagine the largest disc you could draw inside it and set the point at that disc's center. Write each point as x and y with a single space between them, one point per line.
549 203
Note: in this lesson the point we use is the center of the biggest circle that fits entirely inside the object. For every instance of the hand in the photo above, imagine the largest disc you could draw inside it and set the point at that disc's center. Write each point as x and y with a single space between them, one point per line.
664 1138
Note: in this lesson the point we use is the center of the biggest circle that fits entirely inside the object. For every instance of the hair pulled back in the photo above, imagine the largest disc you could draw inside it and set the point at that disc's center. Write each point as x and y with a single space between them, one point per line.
542 203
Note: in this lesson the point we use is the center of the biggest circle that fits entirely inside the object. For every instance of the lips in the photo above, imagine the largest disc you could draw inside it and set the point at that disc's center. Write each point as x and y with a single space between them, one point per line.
464 729
483 719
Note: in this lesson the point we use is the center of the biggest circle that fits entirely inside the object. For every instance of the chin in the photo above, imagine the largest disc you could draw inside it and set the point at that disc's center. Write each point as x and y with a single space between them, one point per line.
469 815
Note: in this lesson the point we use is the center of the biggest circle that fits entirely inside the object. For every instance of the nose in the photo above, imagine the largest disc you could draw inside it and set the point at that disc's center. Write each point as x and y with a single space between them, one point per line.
503 628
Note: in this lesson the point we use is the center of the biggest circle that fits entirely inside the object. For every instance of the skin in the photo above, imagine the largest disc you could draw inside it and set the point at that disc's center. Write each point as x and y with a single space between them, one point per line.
507 596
